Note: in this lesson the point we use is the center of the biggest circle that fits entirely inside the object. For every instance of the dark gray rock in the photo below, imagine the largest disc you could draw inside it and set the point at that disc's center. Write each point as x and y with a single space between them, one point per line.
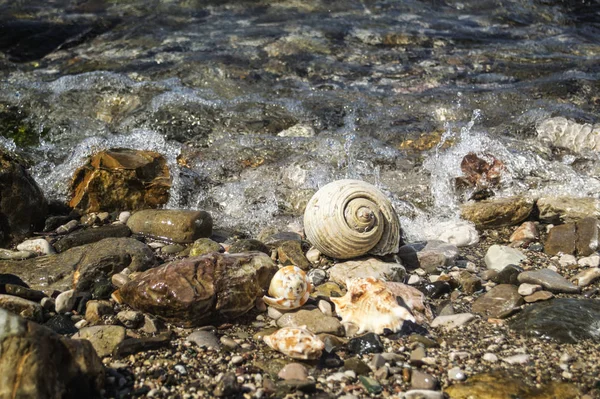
88 236
566 320
550 280
367 343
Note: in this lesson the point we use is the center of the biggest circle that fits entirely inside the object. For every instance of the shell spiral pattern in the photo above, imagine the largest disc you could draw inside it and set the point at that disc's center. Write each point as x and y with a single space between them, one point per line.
289 288
350 218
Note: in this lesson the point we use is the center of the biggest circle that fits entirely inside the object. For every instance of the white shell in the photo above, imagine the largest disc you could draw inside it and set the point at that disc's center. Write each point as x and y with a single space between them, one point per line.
371 306
289 288
296 342
350 218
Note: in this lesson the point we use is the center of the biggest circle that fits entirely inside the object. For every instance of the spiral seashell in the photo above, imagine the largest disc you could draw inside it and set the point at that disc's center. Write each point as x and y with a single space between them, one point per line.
350 218
371 306
296 342
289 289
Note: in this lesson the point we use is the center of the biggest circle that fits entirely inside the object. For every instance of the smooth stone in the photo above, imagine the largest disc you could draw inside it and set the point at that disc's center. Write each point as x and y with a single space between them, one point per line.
587 277
171 249
35 362
421 380
293 371
521 358
561 240
104 339
367 343
368 267
490 357
203 246
317 276
229 343
95 310
500 256
325 307
27 309
550 280
180 369
451 322
421 394
437 253
417 355
526 232
563 319
23 292
313 255
371 385
499 302
131 318
497 212
357 366
89 235
274 313
508 275
124 216
204 339
526 289
194 291
290 253
48 304
456 374
586 242
328 289
236 360
459 233
180 226
135 345
538 296
314 320
65 301
119 280
589 261
61 324
227 386
502 386
567 260
567 209
469 283
38 246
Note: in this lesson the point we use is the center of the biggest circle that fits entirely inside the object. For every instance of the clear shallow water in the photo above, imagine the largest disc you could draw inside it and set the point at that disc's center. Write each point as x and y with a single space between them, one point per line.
257 104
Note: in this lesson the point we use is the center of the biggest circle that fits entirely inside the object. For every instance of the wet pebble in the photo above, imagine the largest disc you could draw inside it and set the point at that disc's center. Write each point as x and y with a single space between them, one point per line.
204 339
367 343
456 374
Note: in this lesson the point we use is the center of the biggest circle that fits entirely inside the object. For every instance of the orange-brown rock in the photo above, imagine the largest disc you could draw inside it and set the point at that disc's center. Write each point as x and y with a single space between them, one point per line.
119 179
482 172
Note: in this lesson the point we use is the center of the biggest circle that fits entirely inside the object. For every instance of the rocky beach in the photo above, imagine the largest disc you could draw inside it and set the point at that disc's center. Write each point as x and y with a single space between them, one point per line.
269 199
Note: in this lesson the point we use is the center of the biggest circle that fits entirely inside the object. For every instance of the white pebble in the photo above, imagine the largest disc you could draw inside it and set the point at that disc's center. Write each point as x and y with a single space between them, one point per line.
528 289
237 360
325 308
490 357
313 255
455 373
590 261
180 369
414 279
65 301
567 260
38 245
517 359
124 216
81 323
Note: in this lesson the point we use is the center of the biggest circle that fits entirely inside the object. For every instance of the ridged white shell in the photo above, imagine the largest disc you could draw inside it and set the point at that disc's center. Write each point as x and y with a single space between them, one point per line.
289 288
371 306
296 342
562 132
350 218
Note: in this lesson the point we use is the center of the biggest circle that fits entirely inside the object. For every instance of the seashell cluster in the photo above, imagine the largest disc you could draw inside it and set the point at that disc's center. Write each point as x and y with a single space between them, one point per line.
350 218
371 306
562 132
289 289
296 342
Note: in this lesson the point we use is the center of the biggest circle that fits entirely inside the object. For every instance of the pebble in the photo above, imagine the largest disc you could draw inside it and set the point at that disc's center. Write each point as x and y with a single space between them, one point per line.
313 255
293 371
38 246
274 313
549 279
587 277
65 301
490 357
500 256
525 232
528 289
567 260
367 343
124 216
67 227
314 320
49 304
180 369
413 279
235 360
104 339
499 302
456 374
539 296
421 394
119 279
589 261
522 358
421 380
229 343
451 322
459 233
131 318
371 385
325 307
417 355
317 276
95 310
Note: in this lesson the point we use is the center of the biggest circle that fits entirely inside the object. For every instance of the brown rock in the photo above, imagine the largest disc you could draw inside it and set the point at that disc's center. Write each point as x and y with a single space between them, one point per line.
290 253
469 283
23 207
180 226
121 178
38 363
196 291
94 310
567 209
23 307
524 233
538 296
497 212
586 241
561 239
499 302
481 172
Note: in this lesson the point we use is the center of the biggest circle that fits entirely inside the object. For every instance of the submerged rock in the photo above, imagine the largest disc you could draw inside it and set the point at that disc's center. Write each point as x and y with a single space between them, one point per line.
23 207
120 179
566 320
196 291
35 362
497 212
180 226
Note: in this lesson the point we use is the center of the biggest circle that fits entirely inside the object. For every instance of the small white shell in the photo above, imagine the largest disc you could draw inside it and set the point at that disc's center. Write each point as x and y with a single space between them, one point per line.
371 306
296 342
289 289
350 218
